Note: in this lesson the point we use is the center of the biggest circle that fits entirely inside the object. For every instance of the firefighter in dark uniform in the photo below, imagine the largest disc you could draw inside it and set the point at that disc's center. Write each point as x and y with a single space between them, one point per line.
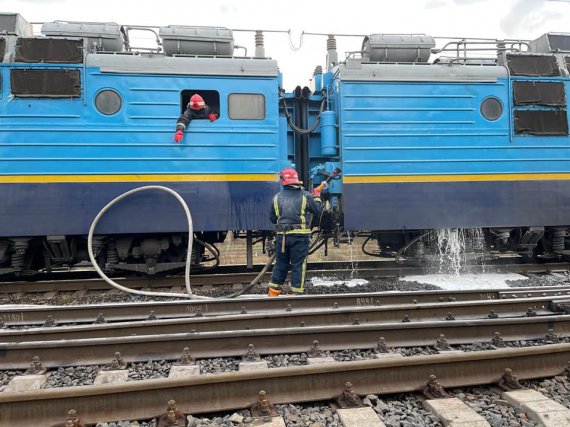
197 109
290 213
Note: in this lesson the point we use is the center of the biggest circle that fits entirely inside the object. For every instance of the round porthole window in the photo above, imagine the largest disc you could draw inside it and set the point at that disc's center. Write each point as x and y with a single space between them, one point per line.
108 102
491 108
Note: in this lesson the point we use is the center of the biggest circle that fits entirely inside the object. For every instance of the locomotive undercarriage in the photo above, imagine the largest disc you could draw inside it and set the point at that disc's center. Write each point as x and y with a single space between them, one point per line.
156 254
151 254
542 242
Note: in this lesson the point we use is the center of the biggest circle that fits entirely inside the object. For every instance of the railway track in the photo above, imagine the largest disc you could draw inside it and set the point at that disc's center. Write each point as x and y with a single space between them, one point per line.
18 315
236 276
289 317
287 325
234 343
147 399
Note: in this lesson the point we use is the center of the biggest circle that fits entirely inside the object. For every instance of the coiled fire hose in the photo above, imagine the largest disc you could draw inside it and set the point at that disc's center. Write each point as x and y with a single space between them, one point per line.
178 197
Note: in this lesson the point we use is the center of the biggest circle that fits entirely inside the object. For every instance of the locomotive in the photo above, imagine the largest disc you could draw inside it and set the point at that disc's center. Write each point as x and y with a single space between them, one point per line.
473 134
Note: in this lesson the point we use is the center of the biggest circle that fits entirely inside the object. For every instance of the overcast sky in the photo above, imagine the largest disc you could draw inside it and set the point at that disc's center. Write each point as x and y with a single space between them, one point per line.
526 19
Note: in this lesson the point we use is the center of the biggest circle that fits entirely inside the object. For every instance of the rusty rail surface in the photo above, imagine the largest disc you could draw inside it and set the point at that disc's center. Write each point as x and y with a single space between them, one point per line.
293 317
208 393
341 269
30 315
274 341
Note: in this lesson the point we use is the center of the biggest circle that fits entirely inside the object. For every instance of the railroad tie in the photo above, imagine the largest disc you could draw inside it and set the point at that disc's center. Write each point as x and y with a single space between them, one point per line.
316 356
382 351
454 413
251 361
33 379
269 422
185 366
539 408
29 382
359 417
115 372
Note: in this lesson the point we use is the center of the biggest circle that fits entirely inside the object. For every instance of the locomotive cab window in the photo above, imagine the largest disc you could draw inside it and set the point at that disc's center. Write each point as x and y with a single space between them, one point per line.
246 106
210 97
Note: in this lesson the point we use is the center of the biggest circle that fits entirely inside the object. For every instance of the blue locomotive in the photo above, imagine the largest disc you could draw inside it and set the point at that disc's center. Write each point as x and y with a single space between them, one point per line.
459 142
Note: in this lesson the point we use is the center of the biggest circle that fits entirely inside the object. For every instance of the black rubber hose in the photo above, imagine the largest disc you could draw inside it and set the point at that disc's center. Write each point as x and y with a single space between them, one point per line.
298 130
364 249
254 281
412 242
213 250
317 244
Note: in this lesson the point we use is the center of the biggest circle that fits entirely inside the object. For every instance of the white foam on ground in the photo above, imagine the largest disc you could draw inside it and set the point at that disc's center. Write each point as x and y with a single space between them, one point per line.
328 282
26 305
451 282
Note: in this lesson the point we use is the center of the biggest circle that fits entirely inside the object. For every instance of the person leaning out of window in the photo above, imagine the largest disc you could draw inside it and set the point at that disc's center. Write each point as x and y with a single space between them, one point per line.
196 109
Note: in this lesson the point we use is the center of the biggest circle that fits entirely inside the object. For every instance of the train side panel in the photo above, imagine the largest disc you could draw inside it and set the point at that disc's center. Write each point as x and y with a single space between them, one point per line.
418 153
61 160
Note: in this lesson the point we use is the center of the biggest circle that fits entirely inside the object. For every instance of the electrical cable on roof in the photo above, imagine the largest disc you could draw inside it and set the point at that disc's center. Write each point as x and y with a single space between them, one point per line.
291 45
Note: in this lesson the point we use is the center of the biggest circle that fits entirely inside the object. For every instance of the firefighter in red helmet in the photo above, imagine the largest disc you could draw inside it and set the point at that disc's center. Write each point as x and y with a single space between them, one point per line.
196 109
290 212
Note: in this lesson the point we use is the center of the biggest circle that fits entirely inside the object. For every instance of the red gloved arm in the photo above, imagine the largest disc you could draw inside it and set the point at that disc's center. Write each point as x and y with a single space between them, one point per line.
212 117
178 135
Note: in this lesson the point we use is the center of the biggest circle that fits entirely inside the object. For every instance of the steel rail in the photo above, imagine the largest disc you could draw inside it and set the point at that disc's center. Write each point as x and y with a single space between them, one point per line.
208 393
36 315
274 341
342 269
465 310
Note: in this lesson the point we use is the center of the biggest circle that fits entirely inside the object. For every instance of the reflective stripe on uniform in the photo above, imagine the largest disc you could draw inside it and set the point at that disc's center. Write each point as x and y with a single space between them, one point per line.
275 285
301 287
303 229
298 231
276 207
303 207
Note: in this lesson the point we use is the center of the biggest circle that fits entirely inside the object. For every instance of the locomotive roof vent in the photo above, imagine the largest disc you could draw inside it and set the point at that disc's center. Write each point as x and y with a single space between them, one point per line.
100 36
13 24
397 48
197 41
551 43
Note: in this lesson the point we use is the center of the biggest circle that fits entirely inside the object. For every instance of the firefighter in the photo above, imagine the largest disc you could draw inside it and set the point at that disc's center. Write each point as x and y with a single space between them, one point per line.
196 109
290 213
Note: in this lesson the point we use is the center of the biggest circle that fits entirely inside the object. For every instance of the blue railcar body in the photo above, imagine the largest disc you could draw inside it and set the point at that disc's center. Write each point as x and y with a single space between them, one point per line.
418 153
455 143
65 160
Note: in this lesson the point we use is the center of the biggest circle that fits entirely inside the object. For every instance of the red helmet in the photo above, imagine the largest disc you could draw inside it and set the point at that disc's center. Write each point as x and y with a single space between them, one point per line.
289 176
196 102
